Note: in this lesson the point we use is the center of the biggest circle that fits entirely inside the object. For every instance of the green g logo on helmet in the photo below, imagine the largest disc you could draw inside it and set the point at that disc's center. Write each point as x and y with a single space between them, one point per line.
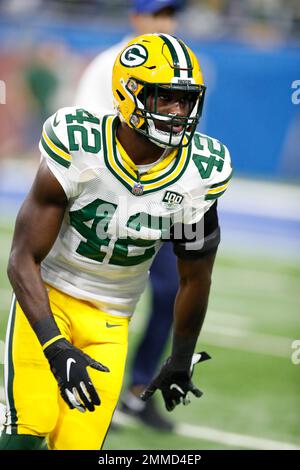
134 56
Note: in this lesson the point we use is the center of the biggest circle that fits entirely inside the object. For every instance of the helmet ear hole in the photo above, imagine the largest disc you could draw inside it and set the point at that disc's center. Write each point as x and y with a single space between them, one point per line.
122 97
141 95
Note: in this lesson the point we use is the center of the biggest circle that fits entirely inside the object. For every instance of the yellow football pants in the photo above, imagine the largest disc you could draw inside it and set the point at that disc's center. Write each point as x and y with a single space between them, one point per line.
34 404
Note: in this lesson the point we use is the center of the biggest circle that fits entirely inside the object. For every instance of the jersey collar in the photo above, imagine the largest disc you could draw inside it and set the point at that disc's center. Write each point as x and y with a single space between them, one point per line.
123 168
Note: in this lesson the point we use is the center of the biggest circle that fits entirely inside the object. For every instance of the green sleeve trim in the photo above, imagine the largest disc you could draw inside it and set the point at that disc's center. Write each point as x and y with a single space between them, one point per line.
52 136
216 185
53 155
210 197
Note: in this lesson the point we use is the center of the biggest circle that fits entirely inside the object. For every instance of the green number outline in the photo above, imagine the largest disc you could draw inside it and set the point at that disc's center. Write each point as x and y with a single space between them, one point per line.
80 117
215 159
91 247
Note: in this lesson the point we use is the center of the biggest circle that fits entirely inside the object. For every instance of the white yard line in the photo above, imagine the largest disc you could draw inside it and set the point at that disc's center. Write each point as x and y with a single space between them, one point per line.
231 439
245 340
223 318
205 433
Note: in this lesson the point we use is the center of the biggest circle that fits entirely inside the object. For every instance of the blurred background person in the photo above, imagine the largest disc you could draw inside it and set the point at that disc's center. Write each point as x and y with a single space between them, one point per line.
94 91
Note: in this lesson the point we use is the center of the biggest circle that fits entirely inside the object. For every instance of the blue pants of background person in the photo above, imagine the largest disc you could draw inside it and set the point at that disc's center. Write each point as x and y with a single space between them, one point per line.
164 283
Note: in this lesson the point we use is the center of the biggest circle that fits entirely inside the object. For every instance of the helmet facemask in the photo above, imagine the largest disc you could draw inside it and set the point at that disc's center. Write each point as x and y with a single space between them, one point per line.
147 121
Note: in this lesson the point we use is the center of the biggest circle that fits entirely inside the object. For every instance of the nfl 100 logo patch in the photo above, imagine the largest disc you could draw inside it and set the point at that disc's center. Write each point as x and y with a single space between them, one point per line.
172 199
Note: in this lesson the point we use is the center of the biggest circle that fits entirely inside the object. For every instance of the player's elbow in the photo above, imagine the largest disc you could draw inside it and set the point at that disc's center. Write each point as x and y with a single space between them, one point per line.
13 266
18 266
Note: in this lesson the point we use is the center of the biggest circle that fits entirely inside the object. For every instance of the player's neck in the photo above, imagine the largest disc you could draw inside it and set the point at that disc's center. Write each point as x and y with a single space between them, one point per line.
139 148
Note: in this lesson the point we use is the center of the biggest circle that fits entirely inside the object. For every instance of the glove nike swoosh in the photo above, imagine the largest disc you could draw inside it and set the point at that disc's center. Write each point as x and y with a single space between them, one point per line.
176 387
69 363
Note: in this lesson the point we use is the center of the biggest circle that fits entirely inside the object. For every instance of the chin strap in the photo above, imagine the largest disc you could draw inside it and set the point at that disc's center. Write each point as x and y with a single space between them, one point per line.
162 138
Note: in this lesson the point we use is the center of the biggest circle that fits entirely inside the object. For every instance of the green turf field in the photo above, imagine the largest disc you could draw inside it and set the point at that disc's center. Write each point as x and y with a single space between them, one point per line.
251 387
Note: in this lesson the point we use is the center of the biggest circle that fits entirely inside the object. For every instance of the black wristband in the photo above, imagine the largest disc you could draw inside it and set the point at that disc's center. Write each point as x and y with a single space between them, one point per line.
46 329
183 350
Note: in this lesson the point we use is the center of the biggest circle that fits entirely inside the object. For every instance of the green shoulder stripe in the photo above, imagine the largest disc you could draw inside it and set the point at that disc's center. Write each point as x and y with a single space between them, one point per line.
216 185
54 155
52 136
209 197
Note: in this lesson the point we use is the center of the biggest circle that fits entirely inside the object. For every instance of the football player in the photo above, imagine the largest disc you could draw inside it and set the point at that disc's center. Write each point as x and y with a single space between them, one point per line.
109 191
95 91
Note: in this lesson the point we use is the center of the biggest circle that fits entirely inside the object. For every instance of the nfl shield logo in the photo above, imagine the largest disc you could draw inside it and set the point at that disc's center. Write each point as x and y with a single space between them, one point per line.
138 189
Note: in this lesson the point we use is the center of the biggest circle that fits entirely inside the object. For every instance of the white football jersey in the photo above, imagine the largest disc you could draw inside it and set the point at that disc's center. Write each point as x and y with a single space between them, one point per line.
117 216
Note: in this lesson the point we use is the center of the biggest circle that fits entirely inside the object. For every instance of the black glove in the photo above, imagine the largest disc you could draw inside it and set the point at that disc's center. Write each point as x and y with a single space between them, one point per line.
68 365
174 382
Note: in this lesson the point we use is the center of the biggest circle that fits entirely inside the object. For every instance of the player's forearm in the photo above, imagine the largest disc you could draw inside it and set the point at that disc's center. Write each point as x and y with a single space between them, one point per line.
190 309
24 275
191 304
